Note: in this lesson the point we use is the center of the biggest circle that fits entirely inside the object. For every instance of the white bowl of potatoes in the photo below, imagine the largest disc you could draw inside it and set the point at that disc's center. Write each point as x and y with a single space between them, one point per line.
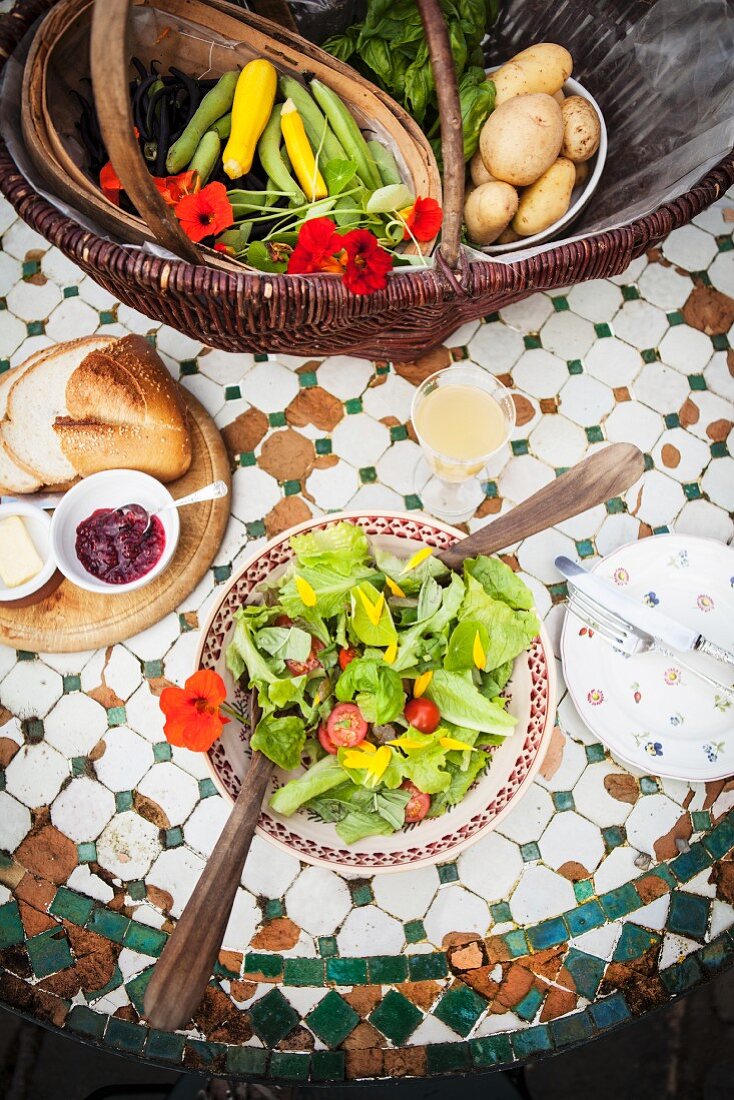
540 156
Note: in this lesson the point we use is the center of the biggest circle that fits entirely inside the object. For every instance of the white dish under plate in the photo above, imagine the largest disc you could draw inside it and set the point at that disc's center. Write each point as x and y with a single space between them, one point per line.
38 525
646 709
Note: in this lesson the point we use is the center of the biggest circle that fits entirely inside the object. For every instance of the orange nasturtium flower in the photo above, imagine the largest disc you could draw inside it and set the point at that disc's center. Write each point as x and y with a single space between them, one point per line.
173 188
422 219
192 713
206 213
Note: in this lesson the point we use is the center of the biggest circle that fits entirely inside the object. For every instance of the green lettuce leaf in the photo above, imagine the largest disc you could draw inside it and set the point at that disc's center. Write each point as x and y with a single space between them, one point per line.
459 784
427 768
332 588
341 549
412 643
242 653
320 777
500 582
510 632
411 581
283 642
281 740
359 824
461 702
282 693
493 682
376 689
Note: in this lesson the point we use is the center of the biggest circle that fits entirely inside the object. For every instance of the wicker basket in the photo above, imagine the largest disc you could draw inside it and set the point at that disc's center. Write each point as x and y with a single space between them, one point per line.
315 315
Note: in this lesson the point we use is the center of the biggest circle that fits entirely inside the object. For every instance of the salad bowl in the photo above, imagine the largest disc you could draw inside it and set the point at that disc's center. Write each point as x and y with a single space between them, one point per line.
531 692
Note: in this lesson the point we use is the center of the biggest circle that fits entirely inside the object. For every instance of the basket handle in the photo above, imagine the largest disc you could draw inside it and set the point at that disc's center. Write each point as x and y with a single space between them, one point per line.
452 138
109 51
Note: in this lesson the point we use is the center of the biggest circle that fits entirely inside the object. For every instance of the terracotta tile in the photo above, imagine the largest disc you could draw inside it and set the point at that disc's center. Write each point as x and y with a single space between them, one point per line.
517 982
242 990
651 887
34 921
718 430
8 748
363 998
231 960
126 1012
722 875
287 455
554 754
49 853
150 810
422 994
468 957
406 1062
315 406
557 1003
524 409
366 1062
689 413
665 846
161 899
709 310
573 871
245 432
419 369
96 957
298 1039
287 513
220 1020
363 1037
546 963
490 506
278 935
65 984
624 787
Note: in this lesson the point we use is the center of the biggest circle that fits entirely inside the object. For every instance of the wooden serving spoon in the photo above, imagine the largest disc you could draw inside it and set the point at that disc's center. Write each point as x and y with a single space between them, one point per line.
187 960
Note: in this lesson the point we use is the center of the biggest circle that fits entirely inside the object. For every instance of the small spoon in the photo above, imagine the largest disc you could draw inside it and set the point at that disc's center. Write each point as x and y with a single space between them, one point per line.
214 491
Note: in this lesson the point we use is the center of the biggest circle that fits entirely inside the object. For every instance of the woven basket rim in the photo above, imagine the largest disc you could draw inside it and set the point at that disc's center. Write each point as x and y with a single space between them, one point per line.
180 276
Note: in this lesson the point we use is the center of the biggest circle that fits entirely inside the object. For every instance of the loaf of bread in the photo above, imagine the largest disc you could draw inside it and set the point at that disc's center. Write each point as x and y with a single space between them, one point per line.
92 404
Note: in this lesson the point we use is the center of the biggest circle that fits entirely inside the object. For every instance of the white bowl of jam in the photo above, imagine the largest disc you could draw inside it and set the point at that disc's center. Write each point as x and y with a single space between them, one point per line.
100 535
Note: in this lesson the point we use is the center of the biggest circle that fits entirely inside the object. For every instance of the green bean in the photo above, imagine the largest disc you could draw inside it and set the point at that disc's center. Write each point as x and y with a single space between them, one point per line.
317 128
346 129
206 155
214 104
268 149
387 166
222 126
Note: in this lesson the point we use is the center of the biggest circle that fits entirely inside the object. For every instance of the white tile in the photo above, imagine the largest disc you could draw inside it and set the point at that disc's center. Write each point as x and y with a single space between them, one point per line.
569 770
664 287
226 368
344 376
455 909
35 774
652 817
269 871
204 826
254 493
491 867
177 871
571 838
632 421
525 475
661 499
20 239
128 845
567 335
690 248
496 347
360 440
242 923
686 349
269 387
209 393
177 344
721 272
71 319
144 715
83 880
334 487
30 689
114 668
126 759
540 893
681 455
150 644
318 901
392 398
83 809
596 300
718 483
15 822
528 820
369 931
540 373
701 517
586 400
640 324
529 314
172 789
558 441
613 362
406 894
593 800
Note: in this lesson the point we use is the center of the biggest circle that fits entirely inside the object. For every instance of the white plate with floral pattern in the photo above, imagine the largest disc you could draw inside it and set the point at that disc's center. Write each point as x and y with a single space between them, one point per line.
646 709
532 699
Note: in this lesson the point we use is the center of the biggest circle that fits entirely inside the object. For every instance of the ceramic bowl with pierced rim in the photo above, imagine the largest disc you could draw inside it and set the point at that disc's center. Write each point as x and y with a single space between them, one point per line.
532 700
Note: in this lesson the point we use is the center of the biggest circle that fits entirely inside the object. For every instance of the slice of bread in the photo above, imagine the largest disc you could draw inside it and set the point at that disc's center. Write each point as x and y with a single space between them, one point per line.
13 478
36 398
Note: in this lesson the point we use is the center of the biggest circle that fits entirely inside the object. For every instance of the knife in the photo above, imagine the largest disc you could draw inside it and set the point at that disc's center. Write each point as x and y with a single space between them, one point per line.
652 621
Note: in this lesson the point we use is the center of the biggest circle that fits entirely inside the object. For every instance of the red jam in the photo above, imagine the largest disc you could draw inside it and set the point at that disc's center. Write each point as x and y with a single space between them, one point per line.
114 546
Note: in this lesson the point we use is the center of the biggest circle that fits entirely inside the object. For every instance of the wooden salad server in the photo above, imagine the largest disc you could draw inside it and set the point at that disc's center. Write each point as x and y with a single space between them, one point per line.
186 963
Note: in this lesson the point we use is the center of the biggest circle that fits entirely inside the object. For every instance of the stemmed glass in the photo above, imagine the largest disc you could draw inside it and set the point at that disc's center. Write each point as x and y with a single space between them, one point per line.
458 435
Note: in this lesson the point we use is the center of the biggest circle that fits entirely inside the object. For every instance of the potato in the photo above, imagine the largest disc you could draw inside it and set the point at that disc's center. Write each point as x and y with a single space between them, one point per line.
582 172
542 68
477 170
508 236
487 210
581 129
547 200
522 138
559 96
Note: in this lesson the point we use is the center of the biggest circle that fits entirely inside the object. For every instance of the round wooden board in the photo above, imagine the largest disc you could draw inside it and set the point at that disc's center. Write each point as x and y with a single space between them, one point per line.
71 619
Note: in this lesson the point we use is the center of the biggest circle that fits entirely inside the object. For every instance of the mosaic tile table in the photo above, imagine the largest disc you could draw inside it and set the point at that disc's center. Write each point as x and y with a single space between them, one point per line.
603 895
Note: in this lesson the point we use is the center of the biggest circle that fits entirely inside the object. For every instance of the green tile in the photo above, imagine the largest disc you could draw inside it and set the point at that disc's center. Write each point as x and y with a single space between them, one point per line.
530 851
585 917
425 967
490 490
261 357
594 434
459 1009
148 941
610 1011
720 840
396 1017
413 502
491 1050
361 893
71 291
414 931
560 304
586 970
367 475
682 975
532 1040
353 406
137 890
273 1017
87 852
447 1058
84 1021
152 669
688 915
256 529
648 785
517 943
4 365
662 530
107 316
715 955
124 1036
649 355
33 730
692 491
346 971
648 461
384 368
173 838
501 912
123 801
570 1030
303 972
671 420
629 293
675 318
277 420
697 381
72 683
595 753
207 788
78 766
584 889
49 952
116 716
204 1054
332 1019
35 328
602 329
575 366
720 342
188 366
136 989
288 1067
613 836
328 1065
291 488
448 872
527 1008
719 449
621 901
11 926
165 1046
615 506
114 983
107 923
387 969
634 942
690 863
247 458
271 966
72 906
558 591
222 573
398 433
25 655
273 909
161 752
307 379
247 1060
563 800
549 933
491 318
725 242
519 447
232 393
532 341
328 947
323 446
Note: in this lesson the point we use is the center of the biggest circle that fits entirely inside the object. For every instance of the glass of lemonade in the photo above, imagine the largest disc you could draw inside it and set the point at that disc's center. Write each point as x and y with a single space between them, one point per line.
462 416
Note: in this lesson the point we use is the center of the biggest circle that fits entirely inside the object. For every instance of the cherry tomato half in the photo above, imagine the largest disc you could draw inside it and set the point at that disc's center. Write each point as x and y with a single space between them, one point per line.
423 714
418 804
345 656
301 668
345 725
325 740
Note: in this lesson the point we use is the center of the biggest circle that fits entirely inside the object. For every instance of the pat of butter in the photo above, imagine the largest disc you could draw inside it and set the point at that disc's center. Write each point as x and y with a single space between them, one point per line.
19 560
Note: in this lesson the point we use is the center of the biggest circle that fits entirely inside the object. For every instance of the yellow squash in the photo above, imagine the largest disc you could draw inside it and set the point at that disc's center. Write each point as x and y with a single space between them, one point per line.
300 152
253 104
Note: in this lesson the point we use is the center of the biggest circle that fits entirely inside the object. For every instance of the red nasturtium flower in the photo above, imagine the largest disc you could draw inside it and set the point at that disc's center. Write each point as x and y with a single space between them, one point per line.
423 219
110 183
206 213
192 713
317 248
173 188
367 264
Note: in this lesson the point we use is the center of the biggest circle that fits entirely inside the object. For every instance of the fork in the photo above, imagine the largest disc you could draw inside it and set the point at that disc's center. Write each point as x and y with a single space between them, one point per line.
627 639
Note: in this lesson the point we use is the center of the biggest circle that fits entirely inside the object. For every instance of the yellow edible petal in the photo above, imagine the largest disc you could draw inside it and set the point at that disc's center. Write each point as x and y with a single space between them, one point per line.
306 592
421 683
374 610
417 558
380 761
406 743
480 657
391 653
375 761
453 743
394 588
